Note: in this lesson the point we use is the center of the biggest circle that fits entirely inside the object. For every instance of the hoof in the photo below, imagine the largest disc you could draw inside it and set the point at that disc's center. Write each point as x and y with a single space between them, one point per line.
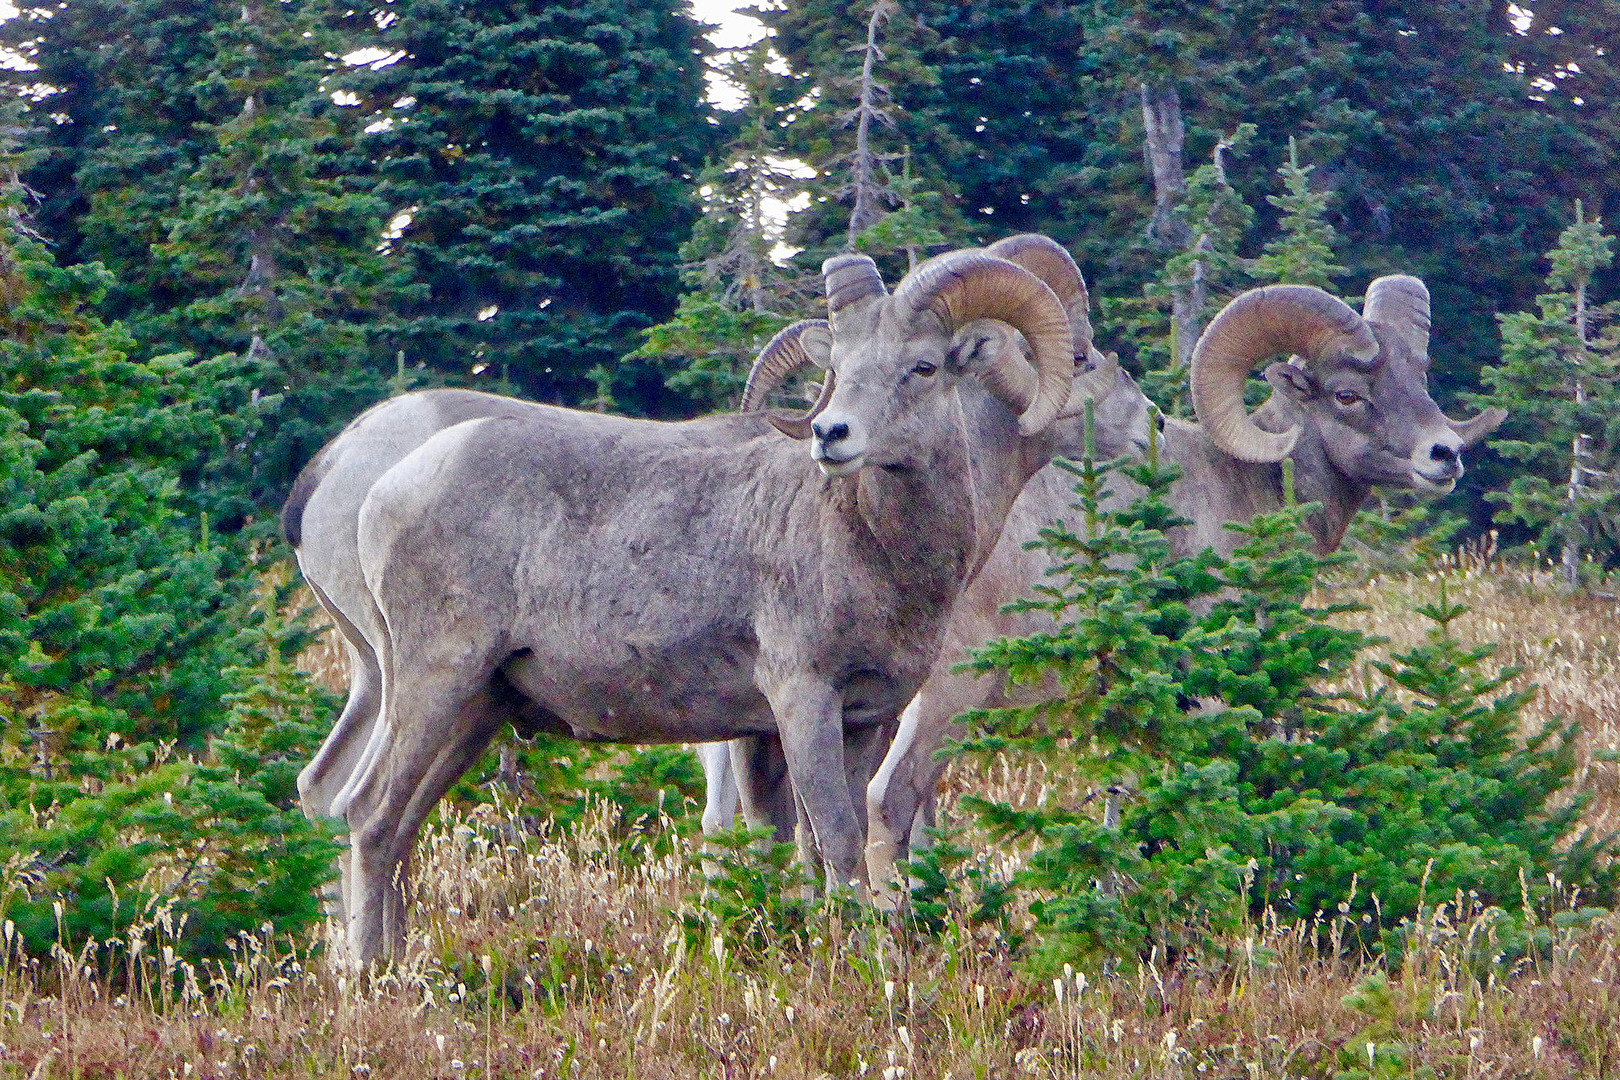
881 872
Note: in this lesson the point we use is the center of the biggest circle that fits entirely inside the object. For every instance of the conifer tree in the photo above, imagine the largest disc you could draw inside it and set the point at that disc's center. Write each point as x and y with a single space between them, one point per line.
912 226
544 155
199 156
1302 253
109 99
1286 794
1212 219
859 66
124 629
273 252
737 296
1557 379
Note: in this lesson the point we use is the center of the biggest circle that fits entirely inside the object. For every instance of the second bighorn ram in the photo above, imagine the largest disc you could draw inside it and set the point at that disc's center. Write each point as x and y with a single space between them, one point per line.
1352 408
638 581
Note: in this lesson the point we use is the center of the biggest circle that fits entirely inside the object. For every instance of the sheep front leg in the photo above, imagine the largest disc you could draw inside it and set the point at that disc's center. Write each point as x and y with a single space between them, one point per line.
809 718
902 789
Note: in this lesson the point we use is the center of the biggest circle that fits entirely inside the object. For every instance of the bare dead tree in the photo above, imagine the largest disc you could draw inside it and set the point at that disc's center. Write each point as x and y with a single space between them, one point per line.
1580 460
1164 138
873 104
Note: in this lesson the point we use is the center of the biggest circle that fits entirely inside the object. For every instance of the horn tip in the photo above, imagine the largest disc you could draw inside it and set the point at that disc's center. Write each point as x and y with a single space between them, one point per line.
791 426
1267 451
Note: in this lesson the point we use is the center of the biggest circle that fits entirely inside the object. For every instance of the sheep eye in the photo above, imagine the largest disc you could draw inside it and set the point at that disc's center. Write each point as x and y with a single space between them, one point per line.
924 368
1346 397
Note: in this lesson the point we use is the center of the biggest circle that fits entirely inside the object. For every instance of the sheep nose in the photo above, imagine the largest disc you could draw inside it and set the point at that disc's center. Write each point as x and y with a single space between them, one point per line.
1445 455
831 433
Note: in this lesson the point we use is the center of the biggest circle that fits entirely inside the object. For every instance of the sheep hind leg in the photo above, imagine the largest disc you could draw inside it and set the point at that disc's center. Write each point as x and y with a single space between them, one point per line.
334 763
329 771
339 757
437 741
768 799
763 788
720 798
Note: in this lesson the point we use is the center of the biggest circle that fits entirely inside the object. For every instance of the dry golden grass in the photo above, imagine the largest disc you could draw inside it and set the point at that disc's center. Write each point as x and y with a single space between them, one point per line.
550 956
544 956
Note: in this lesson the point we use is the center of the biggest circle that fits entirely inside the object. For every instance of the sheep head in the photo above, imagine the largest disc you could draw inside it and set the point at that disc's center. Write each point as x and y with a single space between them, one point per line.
893 359
1358 381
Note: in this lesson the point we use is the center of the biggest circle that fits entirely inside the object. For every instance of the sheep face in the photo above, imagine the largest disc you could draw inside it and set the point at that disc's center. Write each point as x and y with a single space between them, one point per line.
896 378
1377 426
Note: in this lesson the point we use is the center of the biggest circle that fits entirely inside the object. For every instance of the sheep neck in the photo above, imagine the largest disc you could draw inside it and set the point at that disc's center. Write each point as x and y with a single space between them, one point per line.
1316 478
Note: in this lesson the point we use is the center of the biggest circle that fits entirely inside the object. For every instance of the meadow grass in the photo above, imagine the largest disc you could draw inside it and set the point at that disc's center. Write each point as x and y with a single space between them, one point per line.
541 953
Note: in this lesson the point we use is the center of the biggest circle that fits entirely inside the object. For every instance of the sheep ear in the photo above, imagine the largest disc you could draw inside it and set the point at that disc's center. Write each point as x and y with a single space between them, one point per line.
816 341
978 343
1293 380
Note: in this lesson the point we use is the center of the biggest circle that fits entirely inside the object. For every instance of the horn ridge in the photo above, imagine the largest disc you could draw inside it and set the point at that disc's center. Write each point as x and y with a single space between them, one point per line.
1274 320
782 356
1051 262
961 286
1400 303
849 279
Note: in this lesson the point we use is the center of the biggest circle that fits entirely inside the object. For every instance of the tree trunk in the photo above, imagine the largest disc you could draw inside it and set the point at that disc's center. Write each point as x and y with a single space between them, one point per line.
1164 139
863 179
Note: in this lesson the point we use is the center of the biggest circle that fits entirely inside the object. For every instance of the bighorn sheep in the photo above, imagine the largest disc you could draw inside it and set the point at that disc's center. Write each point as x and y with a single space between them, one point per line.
640 581
321 520
755 771
1352 409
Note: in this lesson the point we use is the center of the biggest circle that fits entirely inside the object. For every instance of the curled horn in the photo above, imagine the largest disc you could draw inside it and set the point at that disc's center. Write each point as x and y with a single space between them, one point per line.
850 280
1262 323
781 357
1050 261
1400 304
1472 431
967 285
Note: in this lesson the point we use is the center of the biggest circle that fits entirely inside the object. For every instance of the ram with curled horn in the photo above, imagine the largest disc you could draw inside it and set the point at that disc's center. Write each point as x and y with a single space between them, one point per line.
631 580
1352 409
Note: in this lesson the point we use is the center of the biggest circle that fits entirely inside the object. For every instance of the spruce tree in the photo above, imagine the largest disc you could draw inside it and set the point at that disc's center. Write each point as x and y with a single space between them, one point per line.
862 70
1557 378
912 226
199 156
109 98
544 156
273 251
1197 278
1285 790
125 630
1302 253
737 297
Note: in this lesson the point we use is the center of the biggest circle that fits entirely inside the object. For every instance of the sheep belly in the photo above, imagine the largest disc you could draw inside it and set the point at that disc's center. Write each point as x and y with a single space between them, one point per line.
645 692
